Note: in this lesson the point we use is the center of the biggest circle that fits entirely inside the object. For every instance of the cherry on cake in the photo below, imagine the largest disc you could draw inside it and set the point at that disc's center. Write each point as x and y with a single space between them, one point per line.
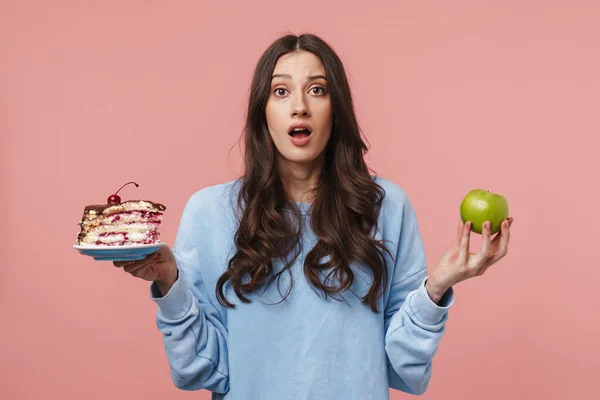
119 223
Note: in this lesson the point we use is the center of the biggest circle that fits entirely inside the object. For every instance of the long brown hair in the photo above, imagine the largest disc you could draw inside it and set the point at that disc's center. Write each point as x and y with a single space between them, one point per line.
346 202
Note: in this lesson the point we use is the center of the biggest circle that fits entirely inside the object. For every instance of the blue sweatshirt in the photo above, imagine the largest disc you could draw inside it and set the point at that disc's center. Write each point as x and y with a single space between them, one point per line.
308 347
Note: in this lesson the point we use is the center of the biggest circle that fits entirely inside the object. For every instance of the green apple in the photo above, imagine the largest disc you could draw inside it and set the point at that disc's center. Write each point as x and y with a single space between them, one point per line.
479 206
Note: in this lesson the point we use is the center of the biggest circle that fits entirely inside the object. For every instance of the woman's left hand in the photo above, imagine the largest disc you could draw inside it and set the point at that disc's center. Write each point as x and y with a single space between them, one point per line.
458 264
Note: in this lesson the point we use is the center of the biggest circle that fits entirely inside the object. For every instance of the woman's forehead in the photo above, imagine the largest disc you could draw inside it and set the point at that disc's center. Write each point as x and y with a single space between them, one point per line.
298 65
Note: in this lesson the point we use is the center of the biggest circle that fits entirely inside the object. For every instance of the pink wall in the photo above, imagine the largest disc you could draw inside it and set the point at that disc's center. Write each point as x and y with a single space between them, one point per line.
451 95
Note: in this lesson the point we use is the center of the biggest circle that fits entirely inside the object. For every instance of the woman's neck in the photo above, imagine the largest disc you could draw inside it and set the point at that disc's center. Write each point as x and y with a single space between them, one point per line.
300 181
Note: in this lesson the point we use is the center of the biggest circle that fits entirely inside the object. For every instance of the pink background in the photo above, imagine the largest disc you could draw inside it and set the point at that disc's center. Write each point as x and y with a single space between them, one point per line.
451 95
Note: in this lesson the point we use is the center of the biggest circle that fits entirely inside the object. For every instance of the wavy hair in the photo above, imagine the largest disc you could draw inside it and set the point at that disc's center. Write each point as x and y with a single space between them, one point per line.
346 201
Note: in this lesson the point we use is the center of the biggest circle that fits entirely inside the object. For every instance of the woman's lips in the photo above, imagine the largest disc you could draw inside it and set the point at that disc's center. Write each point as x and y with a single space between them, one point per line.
301 140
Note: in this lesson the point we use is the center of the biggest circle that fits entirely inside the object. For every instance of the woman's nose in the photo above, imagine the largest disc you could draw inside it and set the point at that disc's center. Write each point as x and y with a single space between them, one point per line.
299 108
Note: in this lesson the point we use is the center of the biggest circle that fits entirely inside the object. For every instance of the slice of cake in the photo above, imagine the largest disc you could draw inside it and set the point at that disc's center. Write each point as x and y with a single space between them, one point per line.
118 224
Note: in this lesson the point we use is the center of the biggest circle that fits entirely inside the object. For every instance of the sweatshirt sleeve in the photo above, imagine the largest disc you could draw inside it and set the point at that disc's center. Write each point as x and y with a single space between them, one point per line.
414 323
193 327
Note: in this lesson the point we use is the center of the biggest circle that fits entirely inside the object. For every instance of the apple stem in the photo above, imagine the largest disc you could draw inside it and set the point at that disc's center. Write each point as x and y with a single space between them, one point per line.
136 185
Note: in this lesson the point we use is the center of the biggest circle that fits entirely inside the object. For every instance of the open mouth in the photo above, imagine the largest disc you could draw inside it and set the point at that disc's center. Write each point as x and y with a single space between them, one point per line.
300 132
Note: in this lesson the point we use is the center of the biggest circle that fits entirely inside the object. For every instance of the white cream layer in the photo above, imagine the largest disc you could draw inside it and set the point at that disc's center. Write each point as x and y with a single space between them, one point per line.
93 237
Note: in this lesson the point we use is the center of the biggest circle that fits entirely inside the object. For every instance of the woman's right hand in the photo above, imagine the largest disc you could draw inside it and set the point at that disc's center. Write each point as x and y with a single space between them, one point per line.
159 267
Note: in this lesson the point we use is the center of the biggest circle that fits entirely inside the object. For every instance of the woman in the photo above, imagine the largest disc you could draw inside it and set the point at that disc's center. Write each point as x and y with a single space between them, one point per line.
306 278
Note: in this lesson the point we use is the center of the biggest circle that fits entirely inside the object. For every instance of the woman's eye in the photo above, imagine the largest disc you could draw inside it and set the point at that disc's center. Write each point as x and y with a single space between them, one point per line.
279 91
319 89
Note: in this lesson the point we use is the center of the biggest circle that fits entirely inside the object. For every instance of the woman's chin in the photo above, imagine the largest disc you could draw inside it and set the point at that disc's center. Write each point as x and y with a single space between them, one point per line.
300 156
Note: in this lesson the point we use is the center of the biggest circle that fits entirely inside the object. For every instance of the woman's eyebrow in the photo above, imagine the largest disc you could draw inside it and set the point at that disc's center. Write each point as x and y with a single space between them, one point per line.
287 76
